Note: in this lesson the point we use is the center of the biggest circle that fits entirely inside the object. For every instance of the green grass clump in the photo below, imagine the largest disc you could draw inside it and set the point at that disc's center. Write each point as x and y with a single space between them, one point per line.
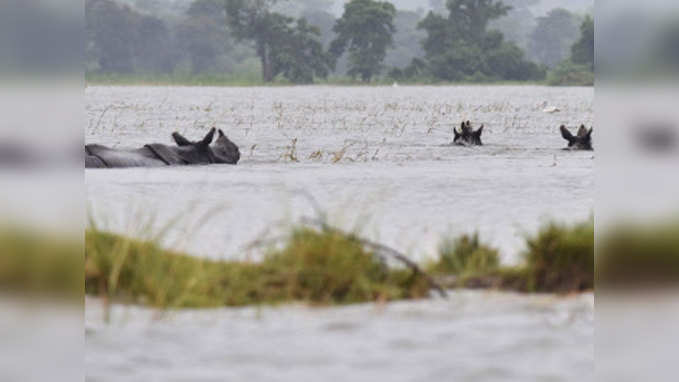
327 267
633 255
314 267
560 258
40 263
465 255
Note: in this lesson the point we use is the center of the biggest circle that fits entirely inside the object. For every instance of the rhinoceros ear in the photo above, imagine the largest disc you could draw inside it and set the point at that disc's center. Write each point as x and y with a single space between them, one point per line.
180 140
208 138
221 133
566 134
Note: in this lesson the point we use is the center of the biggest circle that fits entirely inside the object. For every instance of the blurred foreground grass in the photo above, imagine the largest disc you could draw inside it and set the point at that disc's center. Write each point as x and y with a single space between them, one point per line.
558 258
314 267
323 267
635 255
40 264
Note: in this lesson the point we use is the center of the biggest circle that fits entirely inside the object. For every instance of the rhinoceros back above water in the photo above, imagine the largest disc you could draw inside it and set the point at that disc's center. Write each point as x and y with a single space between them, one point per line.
157 154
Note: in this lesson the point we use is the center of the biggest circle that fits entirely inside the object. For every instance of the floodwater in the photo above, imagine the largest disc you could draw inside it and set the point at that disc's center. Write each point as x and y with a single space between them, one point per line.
471 336
377 160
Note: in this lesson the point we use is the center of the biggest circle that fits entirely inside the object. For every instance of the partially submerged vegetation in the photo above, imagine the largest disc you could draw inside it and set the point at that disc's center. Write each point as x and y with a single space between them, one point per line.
465 255
321 265
559 258
317 267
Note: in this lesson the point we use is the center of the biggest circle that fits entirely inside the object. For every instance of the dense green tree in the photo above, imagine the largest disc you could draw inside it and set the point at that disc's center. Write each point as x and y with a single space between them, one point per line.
121 40
470 18
365 30
578 69
553 36
299 54
110 30
460 47
582 52
284 46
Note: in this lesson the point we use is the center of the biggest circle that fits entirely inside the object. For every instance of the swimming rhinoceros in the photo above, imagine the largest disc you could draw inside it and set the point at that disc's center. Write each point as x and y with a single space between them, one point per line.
467 136
581 141
157 154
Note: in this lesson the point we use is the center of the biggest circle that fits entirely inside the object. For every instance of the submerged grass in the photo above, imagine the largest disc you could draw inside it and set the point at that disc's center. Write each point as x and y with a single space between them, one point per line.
558 258
314 267
324 267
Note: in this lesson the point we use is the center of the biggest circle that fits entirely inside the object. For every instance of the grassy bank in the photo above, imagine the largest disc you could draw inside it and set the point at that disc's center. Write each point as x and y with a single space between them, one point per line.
313 267
323 266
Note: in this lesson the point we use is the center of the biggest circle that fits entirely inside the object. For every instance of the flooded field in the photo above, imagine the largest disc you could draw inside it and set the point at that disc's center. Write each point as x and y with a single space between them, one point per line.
378 160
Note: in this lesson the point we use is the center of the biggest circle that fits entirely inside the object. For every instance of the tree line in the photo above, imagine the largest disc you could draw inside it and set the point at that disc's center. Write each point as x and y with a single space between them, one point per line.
457 40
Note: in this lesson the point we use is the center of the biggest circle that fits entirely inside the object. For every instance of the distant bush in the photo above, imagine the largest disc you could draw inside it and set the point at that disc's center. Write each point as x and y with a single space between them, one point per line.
569 74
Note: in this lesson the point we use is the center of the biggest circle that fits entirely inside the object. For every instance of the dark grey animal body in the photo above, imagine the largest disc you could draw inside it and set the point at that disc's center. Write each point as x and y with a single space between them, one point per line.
157 154
467 136
581 141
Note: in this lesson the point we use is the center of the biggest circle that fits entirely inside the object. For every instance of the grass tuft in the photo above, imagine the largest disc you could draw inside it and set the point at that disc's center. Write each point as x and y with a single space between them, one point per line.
560 258
465 255
313 267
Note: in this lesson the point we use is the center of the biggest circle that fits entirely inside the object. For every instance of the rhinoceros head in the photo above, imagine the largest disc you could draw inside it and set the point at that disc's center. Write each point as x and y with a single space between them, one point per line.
221 151
581 141
467 135
224 150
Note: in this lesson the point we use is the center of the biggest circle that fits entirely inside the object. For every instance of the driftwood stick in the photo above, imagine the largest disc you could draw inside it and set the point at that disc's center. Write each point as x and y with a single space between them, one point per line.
381 249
